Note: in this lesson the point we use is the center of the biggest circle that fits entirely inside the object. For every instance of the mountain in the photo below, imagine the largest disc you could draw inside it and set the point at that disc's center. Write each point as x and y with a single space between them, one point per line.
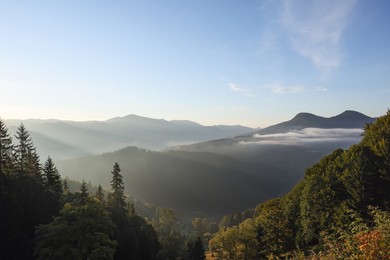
225 175
338 210
347 119
66 139
291 146
203 183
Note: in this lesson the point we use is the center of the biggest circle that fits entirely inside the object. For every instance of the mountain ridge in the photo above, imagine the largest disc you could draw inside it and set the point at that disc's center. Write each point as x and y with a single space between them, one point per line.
347 119
95 137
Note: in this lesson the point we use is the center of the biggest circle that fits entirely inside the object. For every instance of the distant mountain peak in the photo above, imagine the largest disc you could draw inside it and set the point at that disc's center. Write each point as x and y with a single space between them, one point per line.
133 119
347 119
351 115
304 115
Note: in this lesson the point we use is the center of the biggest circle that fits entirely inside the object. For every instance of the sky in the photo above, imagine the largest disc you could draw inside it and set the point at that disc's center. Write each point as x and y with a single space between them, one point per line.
254 63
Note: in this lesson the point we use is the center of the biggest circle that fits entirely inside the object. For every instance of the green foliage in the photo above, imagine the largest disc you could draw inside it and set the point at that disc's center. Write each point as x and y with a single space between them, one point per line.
330 212
362 239
274 235
237 242
24 200
83 229
79 232
167 227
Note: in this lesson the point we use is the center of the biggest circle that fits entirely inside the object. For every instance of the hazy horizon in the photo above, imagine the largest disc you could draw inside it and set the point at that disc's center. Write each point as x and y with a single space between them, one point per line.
252 63
168 120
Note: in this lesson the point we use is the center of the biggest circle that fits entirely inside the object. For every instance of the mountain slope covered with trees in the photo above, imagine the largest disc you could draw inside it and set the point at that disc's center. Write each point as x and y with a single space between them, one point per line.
222 176
42 219
340 210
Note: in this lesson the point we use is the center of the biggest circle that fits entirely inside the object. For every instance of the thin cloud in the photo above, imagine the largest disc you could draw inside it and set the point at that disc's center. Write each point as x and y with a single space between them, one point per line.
278 89
237 88
315 29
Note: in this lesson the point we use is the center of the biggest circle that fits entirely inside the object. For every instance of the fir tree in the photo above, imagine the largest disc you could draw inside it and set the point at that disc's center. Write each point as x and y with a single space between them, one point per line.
117 198
26 155
5 150
83 192
52 178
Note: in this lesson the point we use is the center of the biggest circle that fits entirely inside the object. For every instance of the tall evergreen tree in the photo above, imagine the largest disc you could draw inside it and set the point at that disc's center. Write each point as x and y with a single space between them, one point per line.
26 155
117 198
6 161
83 195
52 178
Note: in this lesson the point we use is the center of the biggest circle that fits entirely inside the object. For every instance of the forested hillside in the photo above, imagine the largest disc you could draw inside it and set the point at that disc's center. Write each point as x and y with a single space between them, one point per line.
208 184
42 219
340 210
222 176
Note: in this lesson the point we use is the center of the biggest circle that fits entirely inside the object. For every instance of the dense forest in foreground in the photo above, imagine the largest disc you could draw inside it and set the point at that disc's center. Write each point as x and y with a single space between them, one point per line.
340 210
42 219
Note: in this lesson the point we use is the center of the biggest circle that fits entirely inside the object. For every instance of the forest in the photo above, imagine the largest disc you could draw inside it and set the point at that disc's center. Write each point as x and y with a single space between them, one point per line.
42 219
340 210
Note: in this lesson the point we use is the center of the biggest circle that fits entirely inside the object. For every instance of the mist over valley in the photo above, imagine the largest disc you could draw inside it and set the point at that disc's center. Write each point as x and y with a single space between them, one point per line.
209 178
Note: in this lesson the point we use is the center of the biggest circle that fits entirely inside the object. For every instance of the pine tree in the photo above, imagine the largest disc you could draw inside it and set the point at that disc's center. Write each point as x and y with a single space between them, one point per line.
83 192
52 178
26 155
6 161
117 198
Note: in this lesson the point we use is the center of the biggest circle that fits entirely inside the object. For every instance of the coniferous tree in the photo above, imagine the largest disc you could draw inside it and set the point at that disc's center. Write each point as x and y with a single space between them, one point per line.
83 195
26 155
52 178
117 197
6 161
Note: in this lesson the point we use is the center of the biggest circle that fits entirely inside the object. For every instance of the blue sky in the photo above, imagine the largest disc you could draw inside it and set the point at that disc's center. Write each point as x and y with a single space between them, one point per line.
254 63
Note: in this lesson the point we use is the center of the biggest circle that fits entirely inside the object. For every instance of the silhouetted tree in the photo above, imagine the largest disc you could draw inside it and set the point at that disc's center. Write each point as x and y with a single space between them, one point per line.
52 178
117 196
83 195
6 161
26 155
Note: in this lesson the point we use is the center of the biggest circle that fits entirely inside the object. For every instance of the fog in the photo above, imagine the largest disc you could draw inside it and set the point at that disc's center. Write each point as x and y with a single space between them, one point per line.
307 136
